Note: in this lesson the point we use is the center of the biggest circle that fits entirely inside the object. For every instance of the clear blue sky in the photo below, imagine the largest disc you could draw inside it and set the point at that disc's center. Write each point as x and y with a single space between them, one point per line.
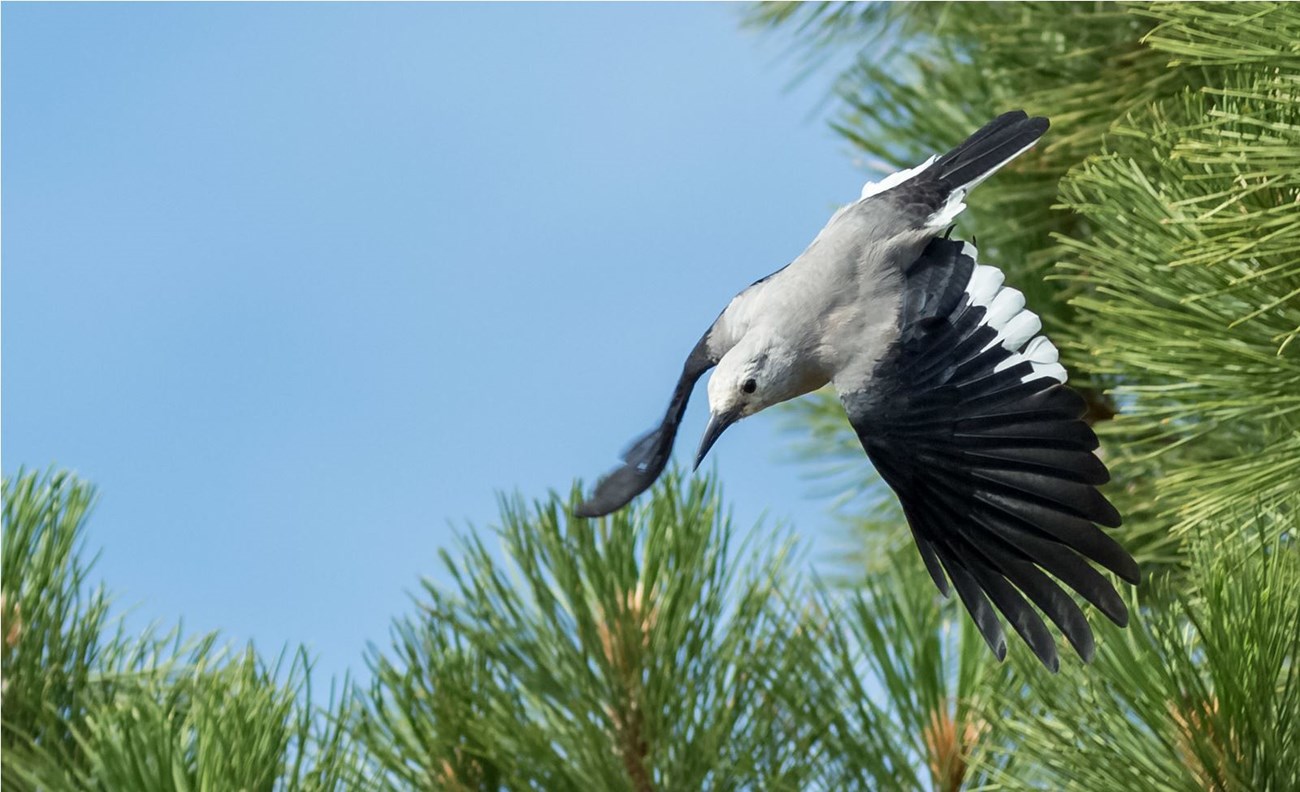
302 287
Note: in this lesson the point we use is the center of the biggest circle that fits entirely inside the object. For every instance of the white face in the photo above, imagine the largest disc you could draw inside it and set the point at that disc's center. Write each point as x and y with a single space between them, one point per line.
753 376
737 384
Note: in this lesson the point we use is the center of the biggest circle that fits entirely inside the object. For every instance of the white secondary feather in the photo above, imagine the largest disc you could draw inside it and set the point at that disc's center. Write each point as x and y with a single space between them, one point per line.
1017 332
984 282
1054 370
944 215
1016 325
1005 305
1040 350
893 180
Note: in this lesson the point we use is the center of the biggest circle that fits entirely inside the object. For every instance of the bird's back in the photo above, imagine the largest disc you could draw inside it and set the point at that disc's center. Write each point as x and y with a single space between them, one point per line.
849 284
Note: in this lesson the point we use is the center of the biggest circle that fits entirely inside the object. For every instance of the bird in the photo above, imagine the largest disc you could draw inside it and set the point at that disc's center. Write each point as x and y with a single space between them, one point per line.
958 399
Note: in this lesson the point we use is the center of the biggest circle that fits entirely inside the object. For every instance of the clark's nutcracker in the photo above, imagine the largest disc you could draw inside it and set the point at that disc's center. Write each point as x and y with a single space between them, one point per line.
958 401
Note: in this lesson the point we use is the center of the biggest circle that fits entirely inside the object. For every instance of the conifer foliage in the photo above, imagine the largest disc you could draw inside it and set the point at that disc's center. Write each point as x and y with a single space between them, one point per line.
87 707
640 652
1156 227
1157 230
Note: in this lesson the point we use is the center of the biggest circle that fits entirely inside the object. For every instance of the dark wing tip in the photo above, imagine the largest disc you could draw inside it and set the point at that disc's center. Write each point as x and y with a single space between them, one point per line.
643 461
1106 513
1018 116
615 491
593 507
1055 662
977 604
1127 569
648 455
1117 613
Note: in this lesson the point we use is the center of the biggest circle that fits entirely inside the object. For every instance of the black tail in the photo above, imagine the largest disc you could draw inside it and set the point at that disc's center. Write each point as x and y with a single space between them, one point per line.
995 144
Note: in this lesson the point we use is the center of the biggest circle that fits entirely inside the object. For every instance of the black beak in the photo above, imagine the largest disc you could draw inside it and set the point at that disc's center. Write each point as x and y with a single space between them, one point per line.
717 425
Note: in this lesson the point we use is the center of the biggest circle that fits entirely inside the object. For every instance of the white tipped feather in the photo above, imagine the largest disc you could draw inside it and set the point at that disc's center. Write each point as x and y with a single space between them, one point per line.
893 180
1007 304
1054 370
1020 329
1005 312
984 283
1040 350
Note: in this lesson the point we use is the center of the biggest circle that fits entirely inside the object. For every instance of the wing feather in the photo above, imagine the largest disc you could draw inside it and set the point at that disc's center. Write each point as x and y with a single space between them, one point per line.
968 420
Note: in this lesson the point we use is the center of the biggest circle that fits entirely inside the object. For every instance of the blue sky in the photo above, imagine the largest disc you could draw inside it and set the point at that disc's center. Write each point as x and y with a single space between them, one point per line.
302 287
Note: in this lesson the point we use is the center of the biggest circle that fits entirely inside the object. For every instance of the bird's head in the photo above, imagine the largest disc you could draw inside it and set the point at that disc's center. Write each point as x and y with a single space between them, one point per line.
744 382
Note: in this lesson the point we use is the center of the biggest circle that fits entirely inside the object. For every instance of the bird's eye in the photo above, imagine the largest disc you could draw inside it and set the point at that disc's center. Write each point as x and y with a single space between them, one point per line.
749 386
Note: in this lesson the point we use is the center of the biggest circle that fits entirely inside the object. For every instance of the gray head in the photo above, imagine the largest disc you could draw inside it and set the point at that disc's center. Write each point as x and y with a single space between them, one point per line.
751 377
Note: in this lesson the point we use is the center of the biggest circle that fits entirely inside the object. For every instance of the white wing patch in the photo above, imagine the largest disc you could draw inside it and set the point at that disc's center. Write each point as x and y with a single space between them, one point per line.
893 180
1017 326
944 215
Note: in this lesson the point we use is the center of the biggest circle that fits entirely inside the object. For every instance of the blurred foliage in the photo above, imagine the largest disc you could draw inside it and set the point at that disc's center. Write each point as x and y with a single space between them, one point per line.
1192 269
899 681
649 651
644 651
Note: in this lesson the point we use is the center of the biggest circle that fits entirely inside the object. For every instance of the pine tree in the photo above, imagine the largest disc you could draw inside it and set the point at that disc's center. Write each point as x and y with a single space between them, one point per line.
86 707
643 651
1157 230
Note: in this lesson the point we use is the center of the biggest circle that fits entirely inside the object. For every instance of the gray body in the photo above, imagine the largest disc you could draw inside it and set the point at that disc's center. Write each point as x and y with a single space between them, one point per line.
833 312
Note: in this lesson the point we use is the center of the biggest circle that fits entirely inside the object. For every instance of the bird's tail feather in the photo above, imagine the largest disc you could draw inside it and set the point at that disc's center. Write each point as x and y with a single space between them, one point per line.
988 149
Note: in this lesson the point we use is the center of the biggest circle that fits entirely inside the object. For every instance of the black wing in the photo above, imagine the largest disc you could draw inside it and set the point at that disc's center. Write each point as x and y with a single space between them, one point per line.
967 419
974 160
648 455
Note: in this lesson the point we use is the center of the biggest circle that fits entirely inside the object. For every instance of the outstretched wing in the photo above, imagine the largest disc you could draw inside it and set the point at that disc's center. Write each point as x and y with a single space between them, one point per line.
648 455
968 419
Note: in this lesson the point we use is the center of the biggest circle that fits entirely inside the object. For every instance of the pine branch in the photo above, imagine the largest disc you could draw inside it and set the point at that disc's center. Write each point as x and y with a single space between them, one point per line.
52 619
86 708
635 652
1192 283
1199 693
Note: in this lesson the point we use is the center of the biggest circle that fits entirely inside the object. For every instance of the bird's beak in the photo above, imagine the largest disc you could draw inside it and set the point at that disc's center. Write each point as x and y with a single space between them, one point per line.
717 425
